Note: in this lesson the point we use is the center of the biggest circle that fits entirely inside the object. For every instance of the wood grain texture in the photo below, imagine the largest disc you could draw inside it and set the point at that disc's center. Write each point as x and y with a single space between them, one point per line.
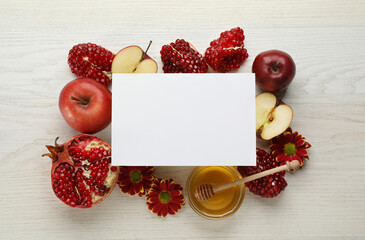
326 39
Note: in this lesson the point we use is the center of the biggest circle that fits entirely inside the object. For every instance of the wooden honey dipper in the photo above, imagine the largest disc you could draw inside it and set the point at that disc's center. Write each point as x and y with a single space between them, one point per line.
206 191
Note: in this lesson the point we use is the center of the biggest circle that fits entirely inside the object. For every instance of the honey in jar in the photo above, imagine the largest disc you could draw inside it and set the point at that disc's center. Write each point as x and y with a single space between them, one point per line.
222 204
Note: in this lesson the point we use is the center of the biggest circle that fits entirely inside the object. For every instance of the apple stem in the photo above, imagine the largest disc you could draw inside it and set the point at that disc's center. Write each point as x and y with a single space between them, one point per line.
82 101
145 52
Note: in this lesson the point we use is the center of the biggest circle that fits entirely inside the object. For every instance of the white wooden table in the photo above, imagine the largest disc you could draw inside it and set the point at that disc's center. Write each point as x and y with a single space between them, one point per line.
327 41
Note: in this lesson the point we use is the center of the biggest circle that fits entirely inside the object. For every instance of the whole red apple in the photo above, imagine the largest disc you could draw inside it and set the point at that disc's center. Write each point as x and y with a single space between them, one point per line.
274 70
86 105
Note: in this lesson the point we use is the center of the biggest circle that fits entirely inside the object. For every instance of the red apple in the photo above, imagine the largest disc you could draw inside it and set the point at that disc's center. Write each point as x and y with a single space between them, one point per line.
86 105
274 70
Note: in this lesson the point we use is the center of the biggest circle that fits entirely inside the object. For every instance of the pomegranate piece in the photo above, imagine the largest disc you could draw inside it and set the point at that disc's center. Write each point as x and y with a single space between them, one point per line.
269 186
227 52
82 175
91 61
182 57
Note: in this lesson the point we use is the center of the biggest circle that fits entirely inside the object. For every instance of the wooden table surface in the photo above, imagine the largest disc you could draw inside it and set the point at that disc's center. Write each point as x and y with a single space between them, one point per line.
327 41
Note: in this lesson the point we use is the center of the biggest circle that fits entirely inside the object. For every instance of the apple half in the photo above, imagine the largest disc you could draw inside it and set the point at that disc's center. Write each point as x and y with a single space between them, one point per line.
133 59
272 117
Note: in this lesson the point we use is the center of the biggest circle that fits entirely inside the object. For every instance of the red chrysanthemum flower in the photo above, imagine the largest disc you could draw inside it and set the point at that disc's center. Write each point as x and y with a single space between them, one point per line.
165 197
135 180
289 146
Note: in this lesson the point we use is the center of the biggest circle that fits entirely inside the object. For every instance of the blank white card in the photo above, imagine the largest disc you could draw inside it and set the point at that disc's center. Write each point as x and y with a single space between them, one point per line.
183 119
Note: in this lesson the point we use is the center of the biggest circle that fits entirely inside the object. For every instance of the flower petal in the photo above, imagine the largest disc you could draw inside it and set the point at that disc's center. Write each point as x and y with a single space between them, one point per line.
302 152
282 140
172 210
125 189
157 207
171 186
281 157
124 171
125 182
163 186
154 200
175 193
164 210
288 136
300 142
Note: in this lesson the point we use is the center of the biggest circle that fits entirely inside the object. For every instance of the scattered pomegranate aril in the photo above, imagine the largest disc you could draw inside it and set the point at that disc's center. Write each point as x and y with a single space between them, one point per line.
91 61
227 53
82 175
182 57
269 186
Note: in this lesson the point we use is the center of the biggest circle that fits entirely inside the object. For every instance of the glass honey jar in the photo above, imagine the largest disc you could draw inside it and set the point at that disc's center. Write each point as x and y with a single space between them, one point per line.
222 204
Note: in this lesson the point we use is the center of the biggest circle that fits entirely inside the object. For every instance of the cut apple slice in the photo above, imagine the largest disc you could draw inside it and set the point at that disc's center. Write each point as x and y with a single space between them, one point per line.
146 66
132 59
280 118
271 119
265 103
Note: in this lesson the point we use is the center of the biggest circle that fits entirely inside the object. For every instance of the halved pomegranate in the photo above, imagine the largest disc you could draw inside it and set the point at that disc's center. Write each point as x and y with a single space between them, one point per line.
82 175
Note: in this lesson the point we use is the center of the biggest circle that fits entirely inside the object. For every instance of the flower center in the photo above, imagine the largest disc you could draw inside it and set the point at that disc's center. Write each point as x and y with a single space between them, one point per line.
165 197
290 149
136 176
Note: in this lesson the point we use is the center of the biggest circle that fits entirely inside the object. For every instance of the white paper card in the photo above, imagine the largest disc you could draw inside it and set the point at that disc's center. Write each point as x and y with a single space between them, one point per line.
183 119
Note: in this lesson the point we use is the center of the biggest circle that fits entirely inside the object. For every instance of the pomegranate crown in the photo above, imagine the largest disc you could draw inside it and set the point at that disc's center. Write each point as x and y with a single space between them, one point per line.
53 150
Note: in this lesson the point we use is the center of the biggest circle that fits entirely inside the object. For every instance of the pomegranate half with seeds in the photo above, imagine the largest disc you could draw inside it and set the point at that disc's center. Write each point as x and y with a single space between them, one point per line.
82 174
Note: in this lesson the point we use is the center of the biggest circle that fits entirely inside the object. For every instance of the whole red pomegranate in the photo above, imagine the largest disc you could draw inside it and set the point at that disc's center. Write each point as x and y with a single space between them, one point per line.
82 175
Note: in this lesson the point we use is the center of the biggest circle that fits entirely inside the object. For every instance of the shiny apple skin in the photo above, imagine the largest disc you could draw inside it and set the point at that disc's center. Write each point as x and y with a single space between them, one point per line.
274 70
93 113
